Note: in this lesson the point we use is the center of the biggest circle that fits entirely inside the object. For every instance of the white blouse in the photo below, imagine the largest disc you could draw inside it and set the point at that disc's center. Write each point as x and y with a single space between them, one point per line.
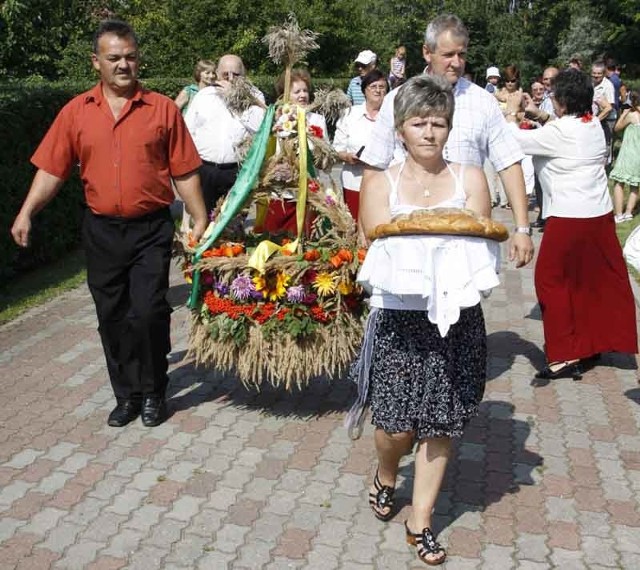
569 157
437 274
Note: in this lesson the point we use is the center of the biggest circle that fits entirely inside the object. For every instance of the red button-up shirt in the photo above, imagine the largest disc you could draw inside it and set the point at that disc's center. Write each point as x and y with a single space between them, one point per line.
126 164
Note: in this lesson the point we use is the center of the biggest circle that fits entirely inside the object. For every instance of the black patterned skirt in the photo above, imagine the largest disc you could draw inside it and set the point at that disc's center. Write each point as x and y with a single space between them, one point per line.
422 382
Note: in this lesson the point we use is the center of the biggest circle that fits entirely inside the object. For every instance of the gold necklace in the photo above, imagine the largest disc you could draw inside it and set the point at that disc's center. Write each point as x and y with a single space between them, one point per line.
425 190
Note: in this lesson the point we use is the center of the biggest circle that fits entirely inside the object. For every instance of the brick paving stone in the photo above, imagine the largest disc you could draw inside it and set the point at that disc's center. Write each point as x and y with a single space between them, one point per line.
19 546
567 559
24 458
323 557
217 560
254 554
107 563
44 521
599 552
230 537
62 536
531 547
165 533
147 557
79 556
39 559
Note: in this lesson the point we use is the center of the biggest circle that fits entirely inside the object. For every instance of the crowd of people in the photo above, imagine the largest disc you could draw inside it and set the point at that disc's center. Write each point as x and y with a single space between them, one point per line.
407 145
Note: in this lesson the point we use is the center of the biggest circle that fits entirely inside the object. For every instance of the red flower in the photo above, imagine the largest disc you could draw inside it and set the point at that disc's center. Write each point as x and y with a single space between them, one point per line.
316 131
313 186
587 118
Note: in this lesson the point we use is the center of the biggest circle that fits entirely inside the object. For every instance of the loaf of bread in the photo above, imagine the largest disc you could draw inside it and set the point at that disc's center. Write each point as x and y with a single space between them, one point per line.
442 221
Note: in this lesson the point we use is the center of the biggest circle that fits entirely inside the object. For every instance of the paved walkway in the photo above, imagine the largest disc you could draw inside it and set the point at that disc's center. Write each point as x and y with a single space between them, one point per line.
545 477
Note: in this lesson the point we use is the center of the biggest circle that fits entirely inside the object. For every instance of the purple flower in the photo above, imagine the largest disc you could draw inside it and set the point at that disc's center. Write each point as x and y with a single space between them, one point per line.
329 201
310 298
207 278
257 294
296 294
221 289
242 288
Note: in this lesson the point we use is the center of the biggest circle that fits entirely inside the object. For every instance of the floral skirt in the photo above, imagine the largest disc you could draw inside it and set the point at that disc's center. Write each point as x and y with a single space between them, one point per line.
422 382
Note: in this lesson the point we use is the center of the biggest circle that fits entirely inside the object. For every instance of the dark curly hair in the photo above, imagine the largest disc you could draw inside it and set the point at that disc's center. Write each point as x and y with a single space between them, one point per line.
574 91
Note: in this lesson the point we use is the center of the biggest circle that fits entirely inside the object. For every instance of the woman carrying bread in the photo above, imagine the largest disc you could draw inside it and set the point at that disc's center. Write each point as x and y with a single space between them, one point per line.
422 363
581 278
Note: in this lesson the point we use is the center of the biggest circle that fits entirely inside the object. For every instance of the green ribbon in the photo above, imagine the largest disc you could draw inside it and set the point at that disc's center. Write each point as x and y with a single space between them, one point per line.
236 198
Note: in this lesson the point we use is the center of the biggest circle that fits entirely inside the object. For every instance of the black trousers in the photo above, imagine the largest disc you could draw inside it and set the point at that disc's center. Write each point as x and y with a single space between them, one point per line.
216 181
128 276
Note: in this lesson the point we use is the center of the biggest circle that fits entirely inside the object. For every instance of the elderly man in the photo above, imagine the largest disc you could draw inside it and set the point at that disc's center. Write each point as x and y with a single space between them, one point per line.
130 143
218 131
604 103
479 127
365 62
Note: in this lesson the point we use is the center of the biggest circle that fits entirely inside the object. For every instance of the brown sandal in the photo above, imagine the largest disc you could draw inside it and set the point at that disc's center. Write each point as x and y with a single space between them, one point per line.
426 544
381 499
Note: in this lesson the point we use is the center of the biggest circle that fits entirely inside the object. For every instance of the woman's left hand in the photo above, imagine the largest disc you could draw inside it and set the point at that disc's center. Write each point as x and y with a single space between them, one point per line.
521 250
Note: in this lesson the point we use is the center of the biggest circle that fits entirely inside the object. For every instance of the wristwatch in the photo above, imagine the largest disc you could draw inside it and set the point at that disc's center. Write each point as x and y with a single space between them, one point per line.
523 230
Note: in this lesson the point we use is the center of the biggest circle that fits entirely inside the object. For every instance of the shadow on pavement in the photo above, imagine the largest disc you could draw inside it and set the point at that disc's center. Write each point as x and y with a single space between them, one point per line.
634 395
502 348
489 462
535 313
190 386
178 295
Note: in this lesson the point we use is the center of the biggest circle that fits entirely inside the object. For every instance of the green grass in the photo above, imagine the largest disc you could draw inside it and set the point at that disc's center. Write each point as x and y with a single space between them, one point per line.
40 285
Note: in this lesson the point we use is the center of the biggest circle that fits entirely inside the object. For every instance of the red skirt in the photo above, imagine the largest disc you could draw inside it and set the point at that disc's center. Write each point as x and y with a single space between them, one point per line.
583 289
352 199
281 219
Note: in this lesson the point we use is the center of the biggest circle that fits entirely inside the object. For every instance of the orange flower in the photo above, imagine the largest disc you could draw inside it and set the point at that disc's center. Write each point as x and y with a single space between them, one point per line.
227 251
345 255
362 253
237 249
311 255
336 261
286 252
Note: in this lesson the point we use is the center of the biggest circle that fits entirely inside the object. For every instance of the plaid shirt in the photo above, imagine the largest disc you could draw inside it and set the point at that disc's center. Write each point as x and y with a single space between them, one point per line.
479 131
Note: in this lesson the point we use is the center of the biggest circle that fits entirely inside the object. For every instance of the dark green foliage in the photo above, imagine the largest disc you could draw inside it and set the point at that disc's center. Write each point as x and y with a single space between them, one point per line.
25 114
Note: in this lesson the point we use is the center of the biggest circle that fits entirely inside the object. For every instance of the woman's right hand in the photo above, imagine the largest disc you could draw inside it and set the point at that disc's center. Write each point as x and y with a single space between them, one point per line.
348 157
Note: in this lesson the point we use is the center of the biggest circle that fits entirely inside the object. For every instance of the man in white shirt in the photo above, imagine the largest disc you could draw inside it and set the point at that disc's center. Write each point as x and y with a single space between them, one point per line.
479 128
217 131
604 102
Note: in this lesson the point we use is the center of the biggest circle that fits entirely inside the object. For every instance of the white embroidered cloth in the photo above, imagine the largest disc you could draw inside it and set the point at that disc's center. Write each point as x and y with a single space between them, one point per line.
439 274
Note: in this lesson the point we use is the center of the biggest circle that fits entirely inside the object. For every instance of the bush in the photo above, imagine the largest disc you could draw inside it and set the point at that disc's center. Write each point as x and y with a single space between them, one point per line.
26 111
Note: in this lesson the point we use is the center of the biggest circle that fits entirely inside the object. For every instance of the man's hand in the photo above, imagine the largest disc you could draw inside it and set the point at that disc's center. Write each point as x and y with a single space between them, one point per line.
21 230
199 228
521 250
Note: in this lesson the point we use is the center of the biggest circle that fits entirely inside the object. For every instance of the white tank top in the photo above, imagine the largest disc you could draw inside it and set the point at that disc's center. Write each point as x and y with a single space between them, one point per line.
458 200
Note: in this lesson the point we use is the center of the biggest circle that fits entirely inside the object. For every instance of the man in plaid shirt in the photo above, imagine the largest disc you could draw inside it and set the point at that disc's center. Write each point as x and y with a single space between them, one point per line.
479 128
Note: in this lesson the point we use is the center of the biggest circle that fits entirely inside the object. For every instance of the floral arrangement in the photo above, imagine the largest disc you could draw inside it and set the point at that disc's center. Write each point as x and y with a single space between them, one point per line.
298 317
278 307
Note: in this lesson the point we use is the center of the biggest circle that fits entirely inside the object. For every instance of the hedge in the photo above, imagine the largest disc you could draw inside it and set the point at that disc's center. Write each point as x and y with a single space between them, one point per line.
27 109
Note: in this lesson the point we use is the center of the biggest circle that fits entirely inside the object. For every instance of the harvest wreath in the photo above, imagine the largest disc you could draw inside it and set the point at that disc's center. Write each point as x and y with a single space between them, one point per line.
277 307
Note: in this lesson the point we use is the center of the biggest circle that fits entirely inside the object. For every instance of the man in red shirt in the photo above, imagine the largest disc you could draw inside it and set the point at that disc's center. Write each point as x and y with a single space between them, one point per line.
130 144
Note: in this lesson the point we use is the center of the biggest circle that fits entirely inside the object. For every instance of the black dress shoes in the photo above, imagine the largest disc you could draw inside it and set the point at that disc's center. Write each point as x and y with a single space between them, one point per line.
567 370
124 413
154 411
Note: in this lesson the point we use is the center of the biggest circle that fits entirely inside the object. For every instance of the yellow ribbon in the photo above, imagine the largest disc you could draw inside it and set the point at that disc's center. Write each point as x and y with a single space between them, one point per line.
301 206
265 250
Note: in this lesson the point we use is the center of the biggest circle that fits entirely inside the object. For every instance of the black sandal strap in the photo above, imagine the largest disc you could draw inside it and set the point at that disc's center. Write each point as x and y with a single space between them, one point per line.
427 543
